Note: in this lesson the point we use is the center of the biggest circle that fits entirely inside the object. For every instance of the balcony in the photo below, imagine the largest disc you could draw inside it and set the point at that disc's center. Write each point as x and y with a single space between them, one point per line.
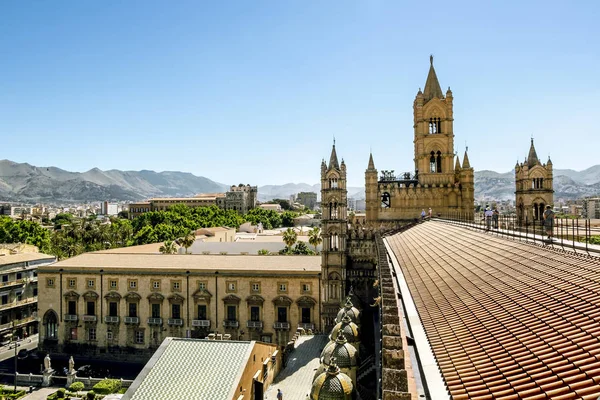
154 321
17 282
175 321
109 319
254 324
306 326
17 323
90 318
204 323
281 325
231 324
71 317
132 320
19 303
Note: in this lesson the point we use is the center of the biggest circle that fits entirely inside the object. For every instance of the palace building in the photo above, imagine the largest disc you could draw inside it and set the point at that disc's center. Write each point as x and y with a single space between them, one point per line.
439 181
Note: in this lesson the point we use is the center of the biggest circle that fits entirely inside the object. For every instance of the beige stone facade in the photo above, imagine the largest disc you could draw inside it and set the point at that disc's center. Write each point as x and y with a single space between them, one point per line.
115 300
439 181
534 187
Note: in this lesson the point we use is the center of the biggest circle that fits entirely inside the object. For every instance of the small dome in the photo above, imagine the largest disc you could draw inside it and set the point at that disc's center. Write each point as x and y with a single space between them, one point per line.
348 328
340 350
349 310
332 385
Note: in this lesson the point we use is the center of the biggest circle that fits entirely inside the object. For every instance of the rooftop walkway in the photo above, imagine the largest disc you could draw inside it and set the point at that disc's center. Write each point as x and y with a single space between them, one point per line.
505 319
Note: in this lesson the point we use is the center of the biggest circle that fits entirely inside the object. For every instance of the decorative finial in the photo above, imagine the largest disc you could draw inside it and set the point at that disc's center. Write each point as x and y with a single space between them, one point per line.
334 140
431 59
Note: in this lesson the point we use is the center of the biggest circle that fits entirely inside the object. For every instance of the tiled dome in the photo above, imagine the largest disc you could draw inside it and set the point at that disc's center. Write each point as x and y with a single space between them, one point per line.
332 385
350 311
348 328
343 352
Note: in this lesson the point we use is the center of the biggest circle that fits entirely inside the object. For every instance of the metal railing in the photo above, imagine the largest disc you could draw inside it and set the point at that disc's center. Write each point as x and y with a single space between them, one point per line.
89 318
231 324
568 233
132 320
175 321
17 323
155 321
201 322
19 303
71 317
109 319
254 324
281 325
306 326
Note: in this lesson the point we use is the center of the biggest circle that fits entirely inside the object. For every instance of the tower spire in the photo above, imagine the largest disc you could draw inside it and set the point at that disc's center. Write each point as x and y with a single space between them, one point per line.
466 163
532 158
371 165
333 160
432 85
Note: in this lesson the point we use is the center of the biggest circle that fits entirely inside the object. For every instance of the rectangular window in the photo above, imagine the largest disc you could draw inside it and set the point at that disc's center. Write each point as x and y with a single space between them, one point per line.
133 309
72 307
132 283
254 313
176 286
109 335
73 334
35 291
231 286
91 308
282 287
139 337
176 311
202 311
155 284
202 285
255 287
306 287
92 334
50 282
306 315
4 299
231 313
4 278
113 309
72 283
91 283
19 296
19 275
281 314
155 310
113 284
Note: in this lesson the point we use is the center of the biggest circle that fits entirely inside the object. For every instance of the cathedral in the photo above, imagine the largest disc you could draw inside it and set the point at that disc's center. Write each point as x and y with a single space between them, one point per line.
438 181
534 187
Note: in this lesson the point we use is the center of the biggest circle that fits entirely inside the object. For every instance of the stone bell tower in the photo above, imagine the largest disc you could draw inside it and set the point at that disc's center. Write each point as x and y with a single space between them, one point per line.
334 231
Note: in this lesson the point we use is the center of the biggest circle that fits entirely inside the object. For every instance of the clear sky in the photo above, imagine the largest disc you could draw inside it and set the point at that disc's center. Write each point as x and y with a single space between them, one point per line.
254 91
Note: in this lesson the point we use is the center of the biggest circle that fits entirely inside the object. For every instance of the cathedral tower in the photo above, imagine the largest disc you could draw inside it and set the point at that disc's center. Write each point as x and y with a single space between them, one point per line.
334 231
534 187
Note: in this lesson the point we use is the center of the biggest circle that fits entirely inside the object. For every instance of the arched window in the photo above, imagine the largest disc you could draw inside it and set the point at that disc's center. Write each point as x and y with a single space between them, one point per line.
386 201
439 162
434 125
51 325
432 162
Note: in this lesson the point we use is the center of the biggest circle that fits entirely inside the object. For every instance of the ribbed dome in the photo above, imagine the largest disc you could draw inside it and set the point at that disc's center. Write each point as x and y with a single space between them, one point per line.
332 385
348 328
341 351
348 310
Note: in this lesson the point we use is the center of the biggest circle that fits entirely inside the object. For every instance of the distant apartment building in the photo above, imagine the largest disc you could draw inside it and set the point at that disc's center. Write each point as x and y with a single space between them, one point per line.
591 208
109 209
272 207
18 293
14 211
307 199
360 205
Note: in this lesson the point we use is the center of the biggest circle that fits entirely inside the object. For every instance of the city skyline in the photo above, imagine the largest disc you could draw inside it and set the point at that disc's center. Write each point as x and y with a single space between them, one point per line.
229 92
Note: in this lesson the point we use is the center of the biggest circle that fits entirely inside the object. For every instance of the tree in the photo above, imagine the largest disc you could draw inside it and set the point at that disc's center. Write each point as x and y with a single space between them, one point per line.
287 218
285 204
186 241
302 248
123 214
168 247
314 237
289 238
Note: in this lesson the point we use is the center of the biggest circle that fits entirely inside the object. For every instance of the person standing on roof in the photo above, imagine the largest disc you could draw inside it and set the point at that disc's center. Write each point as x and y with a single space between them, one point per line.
549 221
488 218
423 215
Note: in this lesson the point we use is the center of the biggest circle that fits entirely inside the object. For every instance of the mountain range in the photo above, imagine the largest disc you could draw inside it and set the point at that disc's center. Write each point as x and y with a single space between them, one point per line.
22 182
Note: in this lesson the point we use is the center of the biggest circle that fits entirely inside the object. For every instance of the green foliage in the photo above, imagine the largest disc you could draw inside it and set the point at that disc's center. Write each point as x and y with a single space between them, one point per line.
168 247
91 395
263 252
595 239
76 387
60 394
302 248
11 394
123 214
289 237
285 204
269 218
62 219
186 241
107 386
28 232
287 218
314 237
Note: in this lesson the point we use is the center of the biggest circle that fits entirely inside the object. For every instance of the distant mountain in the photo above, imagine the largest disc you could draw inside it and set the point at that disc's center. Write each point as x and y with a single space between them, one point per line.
27 183
21 182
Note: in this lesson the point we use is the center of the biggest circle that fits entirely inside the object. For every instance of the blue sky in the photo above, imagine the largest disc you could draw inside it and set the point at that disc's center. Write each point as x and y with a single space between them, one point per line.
254 91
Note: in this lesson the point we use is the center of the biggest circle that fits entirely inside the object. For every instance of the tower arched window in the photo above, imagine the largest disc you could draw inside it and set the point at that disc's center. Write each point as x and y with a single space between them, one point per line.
333 183
333 210
439 161
432 162
434 125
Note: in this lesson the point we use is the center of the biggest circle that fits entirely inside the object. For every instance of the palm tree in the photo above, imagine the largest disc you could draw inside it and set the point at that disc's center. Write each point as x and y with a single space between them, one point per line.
187 241
314 237
168 247
289 237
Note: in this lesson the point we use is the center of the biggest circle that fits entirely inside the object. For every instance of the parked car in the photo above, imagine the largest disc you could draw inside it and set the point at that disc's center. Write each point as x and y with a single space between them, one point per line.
23 353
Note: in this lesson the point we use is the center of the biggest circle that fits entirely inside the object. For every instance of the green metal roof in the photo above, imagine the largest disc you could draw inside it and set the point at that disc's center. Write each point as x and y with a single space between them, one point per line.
192 369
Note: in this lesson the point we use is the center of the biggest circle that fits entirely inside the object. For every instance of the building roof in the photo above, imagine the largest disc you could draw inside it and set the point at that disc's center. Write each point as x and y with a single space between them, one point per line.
192 369
505 319
197 262
24 257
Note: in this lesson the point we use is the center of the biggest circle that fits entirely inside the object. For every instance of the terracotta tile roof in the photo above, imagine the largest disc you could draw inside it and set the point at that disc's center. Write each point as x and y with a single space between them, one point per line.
506 320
